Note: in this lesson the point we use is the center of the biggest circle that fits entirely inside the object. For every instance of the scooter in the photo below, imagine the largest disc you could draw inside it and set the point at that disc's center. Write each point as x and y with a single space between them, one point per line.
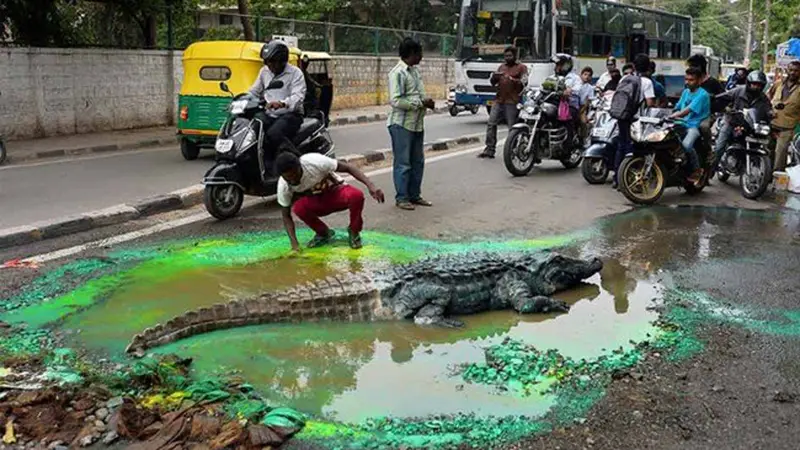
240 168
455 108
598 159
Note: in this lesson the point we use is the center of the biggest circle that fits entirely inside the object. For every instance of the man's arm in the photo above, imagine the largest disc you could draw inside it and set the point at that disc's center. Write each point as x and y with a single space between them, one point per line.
297 90
257 88
649 93
288 224
397 95
344 167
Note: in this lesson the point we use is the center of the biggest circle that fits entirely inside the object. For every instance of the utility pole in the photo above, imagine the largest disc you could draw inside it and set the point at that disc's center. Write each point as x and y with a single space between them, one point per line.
748 42
766 37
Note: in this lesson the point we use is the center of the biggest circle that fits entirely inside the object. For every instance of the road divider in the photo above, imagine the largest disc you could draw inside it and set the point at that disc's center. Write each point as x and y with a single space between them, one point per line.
176 200
151 142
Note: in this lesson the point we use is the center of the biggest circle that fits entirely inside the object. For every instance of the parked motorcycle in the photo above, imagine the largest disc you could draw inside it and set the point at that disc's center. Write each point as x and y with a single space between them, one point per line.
598 159
455 108
747 154
658 160
240 169
538 132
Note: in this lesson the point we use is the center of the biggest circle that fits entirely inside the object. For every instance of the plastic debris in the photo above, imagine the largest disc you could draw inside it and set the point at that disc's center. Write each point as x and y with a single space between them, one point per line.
9 437
19 264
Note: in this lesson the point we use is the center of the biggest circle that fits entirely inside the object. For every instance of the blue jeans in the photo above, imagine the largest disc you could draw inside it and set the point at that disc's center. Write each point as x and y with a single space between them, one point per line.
624 145
692 134
409 162
723 136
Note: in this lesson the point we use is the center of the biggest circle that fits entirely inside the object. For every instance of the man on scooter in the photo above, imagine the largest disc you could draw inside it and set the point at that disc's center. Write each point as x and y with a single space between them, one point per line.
284 114
751 95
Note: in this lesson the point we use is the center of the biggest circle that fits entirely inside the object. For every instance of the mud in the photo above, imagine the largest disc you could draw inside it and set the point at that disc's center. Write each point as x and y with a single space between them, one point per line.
725 277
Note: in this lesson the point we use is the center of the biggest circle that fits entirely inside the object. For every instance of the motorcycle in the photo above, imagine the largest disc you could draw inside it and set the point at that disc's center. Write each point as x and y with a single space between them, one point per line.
747 154
455 108
598 159
240 169
658 159
538 131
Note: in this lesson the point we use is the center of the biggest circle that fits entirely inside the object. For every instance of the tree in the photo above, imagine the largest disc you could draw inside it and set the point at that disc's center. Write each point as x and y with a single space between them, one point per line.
244 15
32 22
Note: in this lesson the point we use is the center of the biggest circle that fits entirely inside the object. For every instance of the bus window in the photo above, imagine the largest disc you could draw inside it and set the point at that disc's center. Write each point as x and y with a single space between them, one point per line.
564 42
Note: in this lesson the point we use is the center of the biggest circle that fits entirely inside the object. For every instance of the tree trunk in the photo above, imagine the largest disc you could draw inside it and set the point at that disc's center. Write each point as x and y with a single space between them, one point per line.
150 31
244 15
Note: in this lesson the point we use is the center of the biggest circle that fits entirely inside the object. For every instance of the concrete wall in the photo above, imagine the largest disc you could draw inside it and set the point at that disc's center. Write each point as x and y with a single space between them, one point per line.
50 92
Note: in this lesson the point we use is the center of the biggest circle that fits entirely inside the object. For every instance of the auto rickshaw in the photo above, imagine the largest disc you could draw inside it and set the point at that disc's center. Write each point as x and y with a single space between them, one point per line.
202 106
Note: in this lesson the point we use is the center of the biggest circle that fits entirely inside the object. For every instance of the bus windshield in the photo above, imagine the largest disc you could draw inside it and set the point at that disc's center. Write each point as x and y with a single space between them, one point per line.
489 26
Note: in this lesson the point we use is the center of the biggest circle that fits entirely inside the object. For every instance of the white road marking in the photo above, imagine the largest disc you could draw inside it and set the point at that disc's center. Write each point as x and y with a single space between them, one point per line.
70 251
89 157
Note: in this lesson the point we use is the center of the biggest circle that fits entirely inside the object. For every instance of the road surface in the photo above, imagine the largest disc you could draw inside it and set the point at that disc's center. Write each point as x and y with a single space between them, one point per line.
47 190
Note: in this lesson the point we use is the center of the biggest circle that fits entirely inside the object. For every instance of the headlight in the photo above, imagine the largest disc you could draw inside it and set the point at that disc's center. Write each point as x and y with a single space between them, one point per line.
461 89
657 136
762 129
530 109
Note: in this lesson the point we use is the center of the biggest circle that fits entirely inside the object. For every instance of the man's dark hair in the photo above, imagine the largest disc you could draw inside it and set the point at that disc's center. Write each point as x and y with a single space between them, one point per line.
694 71
794 63
286 161
627 66
409 47
511 49
699 61
660 78
653 66
641 62
587 69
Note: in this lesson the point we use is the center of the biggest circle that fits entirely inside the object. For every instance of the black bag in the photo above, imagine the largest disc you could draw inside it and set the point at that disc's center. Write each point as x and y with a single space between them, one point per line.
625 102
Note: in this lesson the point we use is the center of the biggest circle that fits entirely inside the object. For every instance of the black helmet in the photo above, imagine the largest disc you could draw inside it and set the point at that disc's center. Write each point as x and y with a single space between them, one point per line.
564 58
275 50
756 77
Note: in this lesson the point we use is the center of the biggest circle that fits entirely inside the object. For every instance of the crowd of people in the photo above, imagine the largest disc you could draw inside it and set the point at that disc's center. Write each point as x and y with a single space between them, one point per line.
310 187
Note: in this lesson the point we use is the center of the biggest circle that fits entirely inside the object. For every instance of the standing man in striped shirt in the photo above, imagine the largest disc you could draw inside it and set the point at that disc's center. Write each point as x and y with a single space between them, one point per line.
406 125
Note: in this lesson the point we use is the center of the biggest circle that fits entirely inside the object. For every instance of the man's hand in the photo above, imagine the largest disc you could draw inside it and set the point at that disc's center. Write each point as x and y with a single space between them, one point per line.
377 194
429 103
276 105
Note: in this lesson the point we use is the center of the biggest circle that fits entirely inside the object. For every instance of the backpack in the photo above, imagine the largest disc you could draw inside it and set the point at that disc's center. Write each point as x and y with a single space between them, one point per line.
625 102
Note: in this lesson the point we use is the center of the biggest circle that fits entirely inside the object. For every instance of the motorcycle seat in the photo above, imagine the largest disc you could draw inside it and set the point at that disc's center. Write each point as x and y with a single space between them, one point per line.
309 126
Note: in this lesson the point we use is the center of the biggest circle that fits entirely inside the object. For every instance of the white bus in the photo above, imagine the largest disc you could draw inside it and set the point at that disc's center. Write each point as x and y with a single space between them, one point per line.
589 30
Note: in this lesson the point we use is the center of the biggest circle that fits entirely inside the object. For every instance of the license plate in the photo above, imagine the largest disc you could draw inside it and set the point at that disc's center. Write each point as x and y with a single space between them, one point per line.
223 145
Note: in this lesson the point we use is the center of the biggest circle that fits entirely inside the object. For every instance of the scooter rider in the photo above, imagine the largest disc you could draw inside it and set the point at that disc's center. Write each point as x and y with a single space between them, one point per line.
284 114
751 95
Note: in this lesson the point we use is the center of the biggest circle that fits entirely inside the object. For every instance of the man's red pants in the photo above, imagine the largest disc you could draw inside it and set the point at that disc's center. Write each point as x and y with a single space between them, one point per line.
310 208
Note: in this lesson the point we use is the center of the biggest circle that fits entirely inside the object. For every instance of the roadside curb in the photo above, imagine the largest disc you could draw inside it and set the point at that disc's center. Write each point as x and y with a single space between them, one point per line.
155 142
173 201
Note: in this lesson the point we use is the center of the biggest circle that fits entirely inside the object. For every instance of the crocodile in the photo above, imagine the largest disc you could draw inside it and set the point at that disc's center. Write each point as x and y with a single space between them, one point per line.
430 291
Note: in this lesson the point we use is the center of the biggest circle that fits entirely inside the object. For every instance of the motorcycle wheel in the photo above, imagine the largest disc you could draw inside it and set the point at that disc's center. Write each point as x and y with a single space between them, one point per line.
453 111
2 152
594 170
189 150
633 185
574 159
474 109
516 142
755 186
223 201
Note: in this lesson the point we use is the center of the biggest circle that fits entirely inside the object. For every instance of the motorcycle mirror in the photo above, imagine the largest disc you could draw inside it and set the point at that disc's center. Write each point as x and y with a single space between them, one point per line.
276 84
224 86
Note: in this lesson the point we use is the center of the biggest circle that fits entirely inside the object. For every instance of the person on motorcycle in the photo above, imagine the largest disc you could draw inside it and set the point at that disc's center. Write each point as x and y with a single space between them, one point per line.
738 78
564 64
751 95
692 109
284 105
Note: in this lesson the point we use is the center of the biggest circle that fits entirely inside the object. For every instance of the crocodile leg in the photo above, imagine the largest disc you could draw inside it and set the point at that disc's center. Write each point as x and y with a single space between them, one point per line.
426 302
512 291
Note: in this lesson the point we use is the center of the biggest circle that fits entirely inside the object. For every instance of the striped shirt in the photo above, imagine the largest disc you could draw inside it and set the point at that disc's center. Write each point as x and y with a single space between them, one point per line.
406 93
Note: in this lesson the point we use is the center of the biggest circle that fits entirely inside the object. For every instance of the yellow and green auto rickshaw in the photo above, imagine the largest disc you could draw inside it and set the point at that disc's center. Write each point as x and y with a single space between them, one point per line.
202 106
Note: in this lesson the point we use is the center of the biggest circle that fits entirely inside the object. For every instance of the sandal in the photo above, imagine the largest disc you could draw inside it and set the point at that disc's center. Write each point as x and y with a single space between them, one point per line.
320 240
355 240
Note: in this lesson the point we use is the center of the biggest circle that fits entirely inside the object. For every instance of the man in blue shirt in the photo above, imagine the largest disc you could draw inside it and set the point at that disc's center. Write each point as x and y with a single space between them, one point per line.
692 109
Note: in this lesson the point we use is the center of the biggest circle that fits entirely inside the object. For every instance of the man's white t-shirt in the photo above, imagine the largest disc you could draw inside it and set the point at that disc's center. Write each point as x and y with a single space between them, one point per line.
319 174
603 80
647 90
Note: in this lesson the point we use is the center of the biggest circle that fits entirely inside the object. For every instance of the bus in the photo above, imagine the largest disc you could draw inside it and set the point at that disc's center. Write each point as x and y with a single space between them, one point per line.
714 62
589 30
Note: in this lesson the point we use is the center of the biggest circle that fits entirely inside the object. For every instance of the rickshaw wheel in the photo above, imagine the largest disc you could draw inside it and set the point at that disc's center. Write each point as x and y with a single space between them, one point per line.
189 149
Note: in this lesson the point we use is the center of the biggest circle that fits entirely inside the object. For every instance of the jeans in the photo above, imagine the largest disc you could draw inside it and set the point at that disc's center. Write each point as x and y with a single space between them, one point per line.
507 110
310 208
409 162
692 134
723 136
624 145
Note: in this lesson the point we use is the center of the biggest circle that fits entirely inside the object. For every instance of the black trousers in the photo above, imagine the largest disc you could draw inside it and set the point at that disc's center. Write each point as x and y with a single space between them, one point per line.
276 129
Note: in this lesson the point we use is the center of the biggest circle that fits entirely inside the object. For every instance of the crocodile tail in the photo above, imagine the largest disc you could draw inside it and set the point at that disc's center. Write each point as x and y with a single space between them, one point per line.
351 297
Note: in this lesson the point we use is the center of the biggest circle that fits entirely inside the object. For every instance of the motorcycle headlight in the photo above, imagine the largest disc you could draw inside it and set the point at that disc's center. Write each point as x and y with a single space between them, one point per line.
657 136
530 109
762 129
461 89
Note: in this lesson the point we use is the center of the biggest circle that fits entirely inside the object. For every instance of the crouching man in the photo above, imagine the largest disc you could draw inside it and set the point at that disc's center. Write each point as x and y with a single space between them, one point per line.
321 192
